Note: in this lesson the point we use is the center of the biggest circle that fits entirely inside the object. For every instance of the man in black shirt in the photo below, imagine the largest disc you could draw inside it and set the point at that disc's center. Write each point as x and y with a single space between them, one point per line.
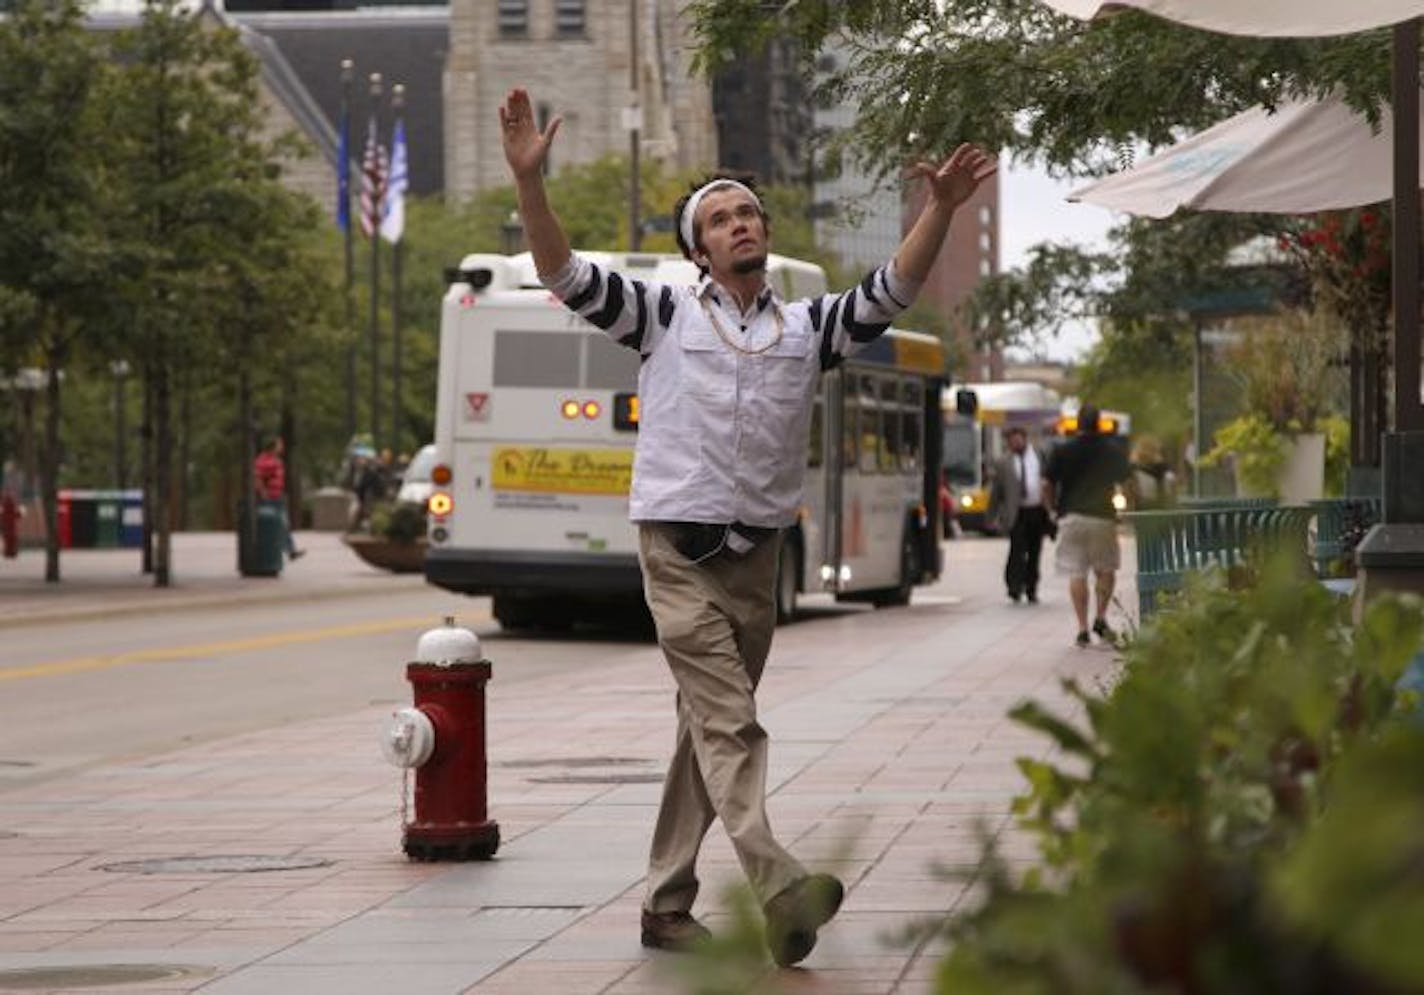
1080 481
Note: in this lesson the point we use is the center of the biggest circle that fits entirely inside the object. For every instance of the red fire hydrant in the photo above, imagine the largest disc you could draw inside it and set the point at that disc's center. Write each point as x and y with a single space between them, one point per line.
443 738
9 525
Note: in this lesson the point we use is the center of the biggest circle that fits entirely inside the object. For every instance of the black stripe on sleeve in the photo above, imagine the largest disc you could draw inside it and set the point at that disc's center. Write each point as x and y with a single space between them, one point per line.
577 301
634 339
867 287
858 331
863 331
884 274
665 307
816 304
612 304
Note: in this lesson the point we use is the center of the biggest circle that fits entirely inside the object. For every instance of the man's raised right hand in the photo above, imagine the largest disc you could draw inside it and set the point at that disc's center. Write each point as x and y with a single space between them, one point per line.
525 147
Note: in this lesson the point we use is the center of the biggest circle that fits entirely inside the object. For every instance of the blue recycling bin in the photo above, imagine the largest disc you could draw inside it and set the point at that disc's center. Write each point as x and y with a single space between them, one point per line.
130 518
259 550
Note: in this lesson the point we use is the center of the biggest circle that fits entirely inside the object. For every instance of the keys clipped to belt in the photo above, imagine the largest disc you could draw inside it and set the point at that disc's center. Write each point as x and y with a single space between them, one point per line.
700 542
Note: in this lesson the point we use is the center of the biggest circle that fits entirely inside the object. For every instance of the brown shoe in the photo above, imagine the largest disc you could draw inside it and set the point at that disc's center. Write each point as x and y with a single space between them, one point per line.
675 931
795 913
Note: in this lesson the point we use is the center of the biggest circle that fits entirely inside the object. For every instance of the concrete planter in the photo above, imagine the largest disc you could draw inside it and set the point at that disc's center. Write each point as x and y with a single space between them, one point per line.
382 553
1302 476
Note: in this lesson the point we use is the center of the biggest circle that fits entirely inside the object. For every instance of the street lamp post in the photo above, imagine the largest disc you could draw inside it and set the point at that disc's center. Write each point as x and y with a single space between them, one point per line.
634 124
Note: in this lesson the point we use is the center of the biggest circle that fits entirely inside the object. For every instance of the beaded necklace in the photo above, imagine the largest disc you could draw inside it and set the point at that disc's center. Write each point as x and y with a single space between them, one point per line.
726 336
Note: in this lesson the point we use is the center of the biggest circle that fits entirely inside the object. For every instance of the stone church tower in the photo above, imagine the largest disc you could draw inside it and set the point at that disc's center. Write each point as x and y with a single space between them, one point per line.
572 56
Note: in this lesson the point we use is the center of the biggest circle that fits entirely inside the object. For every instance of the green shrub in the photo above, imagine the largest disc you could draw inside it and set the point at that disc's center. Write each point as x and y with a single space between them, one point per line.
1197 836
398 522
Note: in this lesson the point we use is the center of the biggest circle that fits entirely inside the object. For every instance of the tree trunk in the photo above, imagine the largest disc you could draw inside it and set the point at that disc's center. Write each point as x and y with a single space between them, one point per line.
163 476
145 457
247 453
50 463
185 449
289 438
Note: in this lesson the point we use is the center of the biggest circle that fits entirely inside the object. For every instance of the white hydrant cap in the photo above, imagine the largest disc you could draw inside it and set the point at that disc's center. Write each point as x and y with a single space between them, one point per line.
447 644
407 737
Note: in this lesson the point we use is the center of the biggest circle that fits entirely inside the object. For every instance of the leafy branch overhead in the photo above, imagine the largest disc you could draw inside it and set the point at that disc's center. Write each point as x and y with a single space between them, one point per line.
1014 75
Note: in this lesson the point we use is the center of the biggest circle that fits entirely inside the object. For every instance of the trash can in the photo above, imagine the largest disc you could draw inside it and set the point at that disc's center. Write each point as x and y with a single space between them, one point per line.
259 552
83 519
331 509
62 512
106 519
131 518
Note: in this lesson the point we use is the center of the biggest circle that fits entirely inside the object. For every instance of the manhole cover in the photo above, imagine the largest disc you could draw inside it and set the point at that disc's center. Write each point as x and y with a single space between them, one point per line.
575 762
94 975
599 779
216 865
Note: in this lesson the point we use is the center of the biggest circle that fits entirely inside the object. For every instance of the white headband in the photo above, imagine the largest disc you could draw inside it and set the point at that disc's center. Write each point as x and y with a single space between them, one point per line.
689 212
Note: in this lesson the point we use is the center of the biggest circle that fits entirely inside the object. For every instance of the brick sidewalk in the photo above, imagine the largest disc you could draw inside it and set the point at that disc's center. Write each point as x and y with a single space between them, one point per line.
884 755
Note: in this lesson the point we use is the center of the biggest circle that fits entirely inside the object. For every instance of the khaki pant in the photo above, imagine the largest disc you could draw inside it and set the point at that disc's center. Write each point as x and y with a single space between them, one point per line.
715 622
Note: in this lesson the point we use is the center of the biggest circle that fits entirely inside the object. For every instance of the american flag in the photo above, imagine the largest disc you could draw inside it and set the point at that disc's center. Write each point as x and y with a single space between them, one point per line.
373 182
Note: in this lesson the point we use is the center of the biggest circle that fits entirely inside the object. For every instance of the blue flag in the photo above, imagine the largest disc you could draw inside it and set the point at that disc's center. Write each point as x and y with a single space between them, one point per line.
343 173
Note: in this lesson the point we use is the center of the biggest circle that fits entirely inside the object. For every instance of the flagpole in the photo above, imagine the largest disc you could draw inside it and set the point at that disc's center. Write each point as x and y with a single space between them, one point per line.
344 212
397 106
375 326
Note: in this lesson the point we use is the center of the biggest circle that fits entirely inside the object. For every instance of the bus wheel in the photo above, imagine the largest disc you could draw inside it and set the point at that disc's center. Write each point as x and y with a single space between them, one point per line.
514 613
895 597
787 573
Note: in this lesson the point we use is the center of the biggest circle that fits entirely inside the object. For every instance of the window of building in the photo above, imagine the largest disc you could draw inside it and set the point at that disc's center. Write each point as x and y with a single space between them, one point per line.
569 18
513 18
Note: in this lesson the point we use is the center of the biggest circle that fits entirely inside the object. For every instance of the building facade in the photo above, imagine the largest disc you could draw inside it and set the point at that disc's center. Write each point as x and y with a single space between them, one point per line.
573 57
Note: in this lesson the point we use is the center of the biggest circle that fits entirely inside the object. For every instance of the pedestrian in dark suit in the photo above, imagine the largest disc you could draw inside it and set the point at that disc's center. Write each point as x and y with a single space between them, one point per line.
1016 505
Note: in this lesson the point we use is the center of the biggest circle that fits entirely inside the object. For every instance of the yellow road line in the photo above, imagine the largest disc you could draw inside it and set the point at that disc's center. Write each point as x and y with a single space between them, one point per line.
212 649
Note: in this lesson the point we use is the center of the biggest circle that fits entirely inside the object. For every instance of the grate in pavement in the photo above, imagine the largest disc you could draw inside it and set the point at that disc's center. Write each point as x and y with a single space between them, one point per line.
223 864
95 975
575 762
599 779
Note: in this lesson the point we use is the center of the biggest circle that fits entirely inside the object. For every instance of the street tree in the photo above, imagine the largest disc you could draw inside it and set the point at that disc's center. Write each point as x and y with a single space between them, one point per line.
199 191
55 257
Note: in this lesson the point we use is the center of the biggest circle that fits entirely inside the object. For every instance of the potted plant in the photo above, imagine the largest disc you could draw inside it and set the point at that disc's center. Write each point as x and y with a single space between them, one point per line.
396 541
1287 367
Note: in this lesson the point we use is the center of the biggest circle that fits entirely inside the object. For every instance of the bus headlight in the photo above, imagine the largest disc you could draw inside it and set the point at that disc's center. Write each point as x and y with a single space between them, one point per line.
966 501
1119 501
440 504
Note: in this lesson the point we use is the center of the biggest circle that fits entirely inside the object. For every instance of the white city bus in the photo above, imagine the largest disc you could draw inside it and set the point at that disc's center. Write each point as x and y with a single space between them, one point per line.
536 419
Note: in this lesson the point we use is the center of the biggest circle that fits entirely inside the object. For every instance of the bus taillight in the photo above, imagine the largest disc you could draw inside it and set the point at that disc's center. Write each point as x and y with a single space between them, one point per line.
440 504
591 409
569 409
441 475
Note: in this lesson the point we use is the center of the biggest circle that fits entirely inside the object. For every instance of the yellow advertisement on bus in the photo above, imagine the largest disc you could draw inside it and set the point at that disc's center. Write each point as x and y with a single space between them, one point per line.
562 471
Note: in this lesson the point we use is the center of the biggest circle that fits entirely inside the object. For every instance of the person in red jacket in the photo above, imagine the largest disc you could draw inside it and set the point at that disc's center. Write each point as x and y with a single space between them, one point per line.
269 474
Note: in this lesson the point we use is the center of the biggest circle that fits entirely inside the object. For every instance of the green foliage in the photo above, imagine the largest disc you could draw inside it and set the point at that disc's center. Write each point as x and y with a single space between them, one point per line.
398 521
1013 75
1337 453
1257 451
1205 836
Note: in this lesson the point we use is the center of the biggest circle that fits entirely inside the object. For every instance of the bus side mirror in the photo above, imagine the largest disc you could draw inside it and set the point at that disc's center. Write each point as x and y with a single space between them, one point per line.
966 402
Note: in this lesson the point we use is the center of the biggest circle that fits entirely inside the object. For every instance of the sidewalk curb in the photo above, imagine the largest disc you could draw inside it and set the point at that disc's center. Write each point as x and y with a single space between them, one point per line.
195 603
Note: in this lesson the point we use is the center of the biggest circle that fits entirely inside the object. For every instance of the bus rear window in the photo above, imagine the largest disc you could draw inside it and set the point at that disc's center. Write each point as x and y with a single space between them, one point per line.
543 359
610 366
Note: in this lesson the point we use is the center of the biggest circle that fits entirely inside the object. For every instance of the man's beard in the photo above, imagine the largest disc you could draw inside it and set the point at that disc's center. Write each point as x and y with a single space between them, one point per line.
753 264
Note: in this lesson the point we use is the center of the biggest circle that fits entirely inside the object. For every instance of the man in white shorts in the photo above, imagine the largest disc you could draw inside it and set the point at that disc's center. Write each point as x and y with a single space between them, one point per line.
1079 483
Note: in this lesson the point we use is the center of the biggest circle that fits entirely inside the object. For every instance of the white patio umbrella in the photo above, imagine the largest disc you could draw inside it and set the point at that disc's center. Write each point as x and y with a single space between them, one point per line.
1319 18
1259 18
1302 157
